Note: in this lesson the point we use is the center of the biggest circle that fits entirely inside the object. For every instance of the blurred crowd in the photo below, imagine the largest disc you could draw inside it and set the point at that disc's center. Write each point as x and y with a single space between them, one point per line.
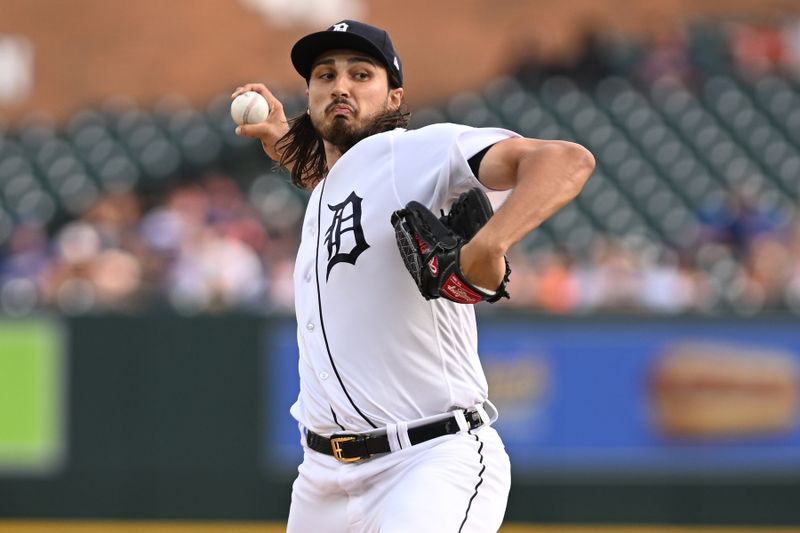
688 52
202 247
205 247
725 273
212 243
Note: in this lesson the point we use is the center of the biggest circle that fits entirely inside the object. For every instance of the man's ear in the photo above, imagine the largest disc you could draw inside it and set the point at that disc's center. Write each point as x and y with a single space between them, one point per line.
395 98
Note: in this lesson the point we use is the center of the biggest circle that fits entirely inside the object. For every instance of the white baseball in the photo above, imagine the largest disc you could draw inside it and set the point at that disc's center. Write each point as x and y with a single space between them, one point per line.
249 108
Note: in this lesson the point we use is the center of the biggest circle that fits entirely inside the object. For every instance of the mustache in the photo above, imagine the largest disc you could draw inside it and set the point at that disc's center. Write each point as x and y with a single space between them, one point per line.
340 102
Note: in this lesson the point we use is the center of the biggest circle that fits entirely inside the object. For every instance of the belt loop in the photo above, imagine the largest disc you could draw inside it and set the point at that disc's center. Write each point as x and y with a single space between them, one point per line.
485 419
461 420
402 435
393 436
491 410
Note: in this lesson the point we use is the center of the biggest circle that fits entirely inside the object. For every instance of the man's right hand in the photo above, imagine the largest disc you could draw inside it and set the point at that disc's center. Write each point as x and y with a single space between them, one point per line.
270 130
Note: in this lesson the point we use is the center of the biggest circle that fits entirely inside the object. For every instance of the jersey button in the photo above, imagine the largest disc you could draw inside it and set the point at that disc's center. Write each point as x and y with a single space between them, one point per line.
323 375
310 326
308 276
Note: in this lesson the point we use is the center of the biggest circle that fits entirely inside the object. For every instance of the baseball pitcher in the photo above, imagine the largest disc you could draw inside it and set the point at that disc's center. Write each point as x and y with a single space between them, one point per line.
398 242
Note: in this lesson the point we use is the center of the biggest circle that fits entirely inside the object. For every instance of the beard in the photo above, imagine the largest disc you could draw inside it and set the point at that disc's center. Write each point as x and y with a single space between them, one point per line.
344 134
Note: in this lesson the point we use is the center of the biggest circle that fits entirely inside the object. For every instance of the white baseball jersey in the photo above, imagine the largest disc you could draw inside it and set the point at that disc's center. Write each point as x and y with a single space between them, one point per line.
372 350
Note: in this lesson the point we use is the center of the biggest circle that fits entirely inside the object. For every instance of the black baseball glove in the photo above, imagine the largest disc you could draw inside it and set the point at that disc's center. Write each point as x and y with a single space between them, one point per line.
431 247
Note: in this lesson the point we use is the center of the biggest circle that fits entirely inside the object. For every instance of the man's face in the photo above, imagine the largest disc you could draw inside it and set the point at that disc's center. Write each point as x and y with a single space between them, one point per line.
346 90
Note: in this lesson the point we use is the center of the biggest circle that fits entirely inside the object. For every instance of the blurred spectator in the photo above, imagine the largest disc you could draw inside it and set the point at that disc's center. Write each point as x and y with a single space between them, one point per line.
792 291
24 262
791 46
769 265
589 63
757 49
667 286
556 286
736 220
666 58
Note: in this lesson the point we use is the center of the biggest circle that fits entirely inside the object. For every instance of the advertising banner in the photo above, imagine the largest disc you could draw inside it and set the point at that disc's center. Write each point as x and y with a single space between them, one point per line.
620 396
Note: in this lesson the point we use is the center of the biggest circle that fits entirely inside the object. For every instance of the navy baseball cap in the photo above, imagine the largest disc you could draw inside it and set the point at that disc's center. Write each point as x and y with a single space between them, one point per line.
350 35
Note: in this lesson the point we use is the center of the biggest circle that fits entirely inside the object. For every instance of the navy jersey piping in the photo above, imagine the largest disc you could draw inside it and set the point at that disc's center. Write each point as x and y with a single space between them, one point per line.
321 320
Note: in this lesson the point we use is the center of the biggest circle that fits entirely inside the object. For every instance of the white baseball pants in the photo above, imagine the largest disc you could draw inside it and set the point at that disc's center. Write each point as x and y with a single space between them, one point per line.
455 483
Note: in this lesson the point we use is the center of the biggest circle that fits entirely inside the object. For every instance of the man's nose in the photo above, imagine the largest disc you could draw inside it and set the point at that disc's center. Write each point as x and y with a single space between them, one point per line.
341 87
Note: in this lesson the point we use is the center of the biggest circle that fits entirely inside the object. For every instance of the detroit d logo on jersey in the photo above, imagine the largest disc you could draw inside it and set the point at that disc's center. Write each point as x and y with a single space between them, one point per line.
345 237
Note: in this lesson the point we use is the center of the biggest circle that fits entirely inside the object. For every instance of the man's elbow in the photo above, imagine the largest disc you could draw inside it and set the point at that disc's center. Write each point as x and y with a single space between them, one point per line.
584 162
577 161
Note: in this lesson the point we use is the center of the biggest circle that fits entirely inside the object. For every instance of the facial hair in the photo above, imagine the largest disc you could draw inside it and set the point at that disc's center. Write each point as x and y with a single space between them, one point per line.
344 134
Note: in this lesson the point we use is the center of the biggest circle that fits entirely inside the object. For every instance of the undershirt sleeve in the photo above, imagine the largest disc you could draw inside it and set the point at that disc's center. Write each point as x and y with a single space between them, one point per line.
475 161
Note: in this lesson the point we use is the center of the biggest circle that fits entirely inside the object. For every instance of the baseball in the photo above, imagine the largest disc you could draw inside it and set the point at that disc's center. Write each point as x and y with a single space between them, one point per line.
249 108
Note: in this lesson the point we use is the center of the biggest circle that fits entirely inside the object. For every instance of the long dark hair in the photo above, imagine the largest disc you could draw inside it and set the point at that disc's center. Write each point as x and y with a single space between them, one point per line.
303 150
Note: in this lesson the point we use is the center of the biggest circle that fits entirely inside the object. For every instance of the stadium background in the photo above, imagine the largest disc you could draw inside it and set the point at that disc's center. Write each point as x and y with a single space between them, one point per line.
646 367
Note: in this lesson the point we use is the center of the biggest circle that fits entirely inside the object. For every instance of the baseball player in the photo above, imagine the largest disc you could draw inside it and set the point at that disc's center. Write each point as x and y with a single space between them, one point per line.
394 411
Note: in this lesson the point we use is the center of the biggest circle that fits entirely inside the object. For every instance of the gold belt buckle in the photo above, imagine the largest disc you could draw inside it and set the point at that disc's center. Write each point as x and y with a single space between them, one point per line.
336 447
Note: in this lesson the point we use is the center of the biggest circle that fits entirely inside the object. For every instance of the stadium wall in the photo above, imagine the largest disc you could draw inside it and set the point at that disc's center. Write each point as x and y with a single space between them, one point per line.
170 417
86 51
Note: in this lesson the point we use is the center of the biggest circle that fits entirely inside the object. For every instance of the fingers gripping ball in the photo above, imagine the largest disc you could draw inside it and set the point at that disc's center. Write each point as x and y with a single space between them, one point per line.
431 246
249 108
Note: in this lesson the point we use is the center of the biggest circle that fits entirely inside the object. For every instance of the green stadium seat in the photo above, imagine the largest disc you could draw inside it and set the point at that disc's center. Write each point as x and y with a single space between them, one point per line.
85 118
644 186
463 104
680 227
61 169
588 118
159 160
276 201
601 205
50 150
516 104
501 89
117 173
85 138
35 131
609 89
17 186
14 165
139 136
623 221
571 229
537 241
597 183
77 193
129 120
27 200
425 116
615 154
559 91
199 144
6 225
538 123
101 152
789 173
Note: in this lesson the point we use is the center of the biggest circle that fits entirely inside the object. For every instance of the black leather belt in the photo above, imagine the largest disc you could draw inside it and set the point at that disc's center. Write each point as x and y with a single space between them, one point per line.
355 447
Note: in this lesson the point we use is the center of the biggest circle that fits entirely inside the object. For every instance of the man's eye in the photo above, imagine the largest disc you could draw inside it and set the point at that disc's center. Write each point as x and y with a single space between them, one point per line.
362 76
325 76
